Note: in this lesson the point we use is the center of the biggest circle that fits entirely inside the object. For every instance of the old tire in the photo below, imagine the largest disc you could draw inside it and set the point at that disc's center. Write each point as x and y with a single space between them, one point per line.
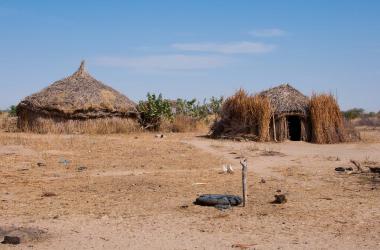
218 199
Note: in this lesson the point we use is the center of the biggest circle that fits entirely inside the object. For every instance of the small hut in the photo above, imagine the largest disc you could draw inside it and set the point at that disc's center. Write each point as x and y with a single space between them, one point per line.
74 100
289 113
281 113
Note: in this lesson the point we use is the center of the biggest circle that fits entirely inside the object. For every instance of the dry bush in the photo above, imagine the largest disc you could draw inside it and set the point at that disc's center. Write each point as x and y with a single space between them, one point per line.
244 114
8 123
326 120
88 126
183 123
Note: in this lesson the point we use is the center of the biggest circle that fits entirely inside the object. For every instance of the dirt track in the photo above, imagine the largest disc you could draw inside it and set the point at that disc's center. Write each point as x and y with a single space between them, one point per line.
130 193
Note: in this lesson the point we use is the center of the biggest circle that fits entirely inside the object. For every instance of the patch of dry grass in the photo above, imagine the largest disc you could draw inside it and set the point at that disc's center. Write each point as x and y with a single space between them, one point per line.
326 120
244 114
88 126
8 123
182 123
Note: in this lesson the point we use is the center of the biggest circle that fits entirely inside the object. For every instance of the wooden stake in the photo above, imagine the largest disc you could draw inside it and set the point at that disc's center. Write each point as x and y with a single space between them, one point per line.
244 179
274 129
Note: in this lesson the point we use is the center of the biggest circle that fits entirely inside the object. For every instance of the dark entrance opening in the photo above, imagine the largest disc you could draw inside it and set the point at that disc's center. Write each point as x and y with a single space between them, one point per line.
294 126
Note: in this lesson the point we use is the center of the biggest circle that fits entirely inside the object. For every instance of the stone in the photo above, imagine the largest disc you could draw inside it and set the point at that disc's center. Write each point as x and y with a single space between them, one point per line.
13 240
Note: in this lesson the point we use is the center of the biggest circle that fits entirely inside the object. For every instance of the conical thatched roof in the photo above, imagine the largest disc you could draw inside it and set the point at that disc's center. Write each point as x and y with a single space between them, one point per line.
79 96
285 99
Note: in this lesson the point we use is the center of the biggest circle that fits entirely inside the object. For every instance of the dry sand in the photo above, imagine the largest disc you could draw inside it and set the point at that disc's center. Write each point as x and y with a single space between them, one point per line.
136 192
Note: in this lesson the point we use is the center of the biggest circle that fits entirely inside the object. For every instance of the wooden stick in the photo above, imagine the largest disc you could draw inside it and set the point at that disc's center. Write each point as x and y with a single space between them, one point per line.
244 179
274 129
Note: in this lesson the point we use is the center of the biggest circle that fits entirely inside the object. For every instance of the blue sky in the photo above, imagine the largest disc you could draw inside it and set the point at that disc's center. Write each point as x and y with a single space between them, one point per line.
194 48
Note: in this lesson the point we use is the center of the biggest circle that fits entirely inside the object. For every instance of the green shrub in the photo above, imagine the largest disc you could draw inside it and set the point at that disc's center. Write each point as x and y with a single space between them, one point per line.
12 110
153 111
215 105
192 108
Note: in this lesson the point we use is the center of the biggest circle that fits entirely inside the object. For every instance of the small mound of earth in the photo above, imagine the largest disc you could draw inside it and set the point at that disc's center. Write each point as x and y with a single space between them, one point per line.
218 200
26 234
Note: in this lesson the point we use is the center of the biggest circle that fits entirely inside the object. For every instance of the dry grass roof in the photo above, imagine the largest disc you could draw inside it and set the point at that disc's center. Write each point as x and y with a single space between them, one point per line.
79 96
285 99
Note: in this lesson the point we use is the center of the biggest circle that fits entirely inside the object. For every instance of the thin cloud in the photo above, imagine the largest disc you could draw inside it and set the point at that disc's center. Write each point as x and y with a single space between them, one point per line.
226 48
164 62
268 33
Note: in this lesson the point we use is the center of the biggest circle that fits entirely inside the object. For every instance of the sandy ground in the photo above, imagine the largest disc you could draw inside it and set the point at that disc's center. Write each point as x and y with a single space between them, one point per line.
136 192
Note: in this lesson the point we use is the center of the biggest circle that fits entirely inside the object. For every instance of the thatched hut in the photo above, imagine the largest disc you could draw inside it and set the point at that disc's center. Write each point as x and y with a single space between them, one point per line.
289 113
278 114
74 100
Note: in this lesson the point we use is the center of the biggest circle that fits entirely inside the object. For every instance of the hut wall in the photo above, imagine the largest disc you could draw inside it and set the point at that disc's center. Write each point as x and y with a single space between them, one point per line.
282 132
282 129
29 121
304 136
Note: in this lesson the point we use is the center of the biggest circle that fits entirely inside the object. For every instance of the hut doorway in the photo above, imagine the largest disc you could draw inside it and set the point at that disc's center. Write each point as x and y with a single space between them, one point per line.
294 126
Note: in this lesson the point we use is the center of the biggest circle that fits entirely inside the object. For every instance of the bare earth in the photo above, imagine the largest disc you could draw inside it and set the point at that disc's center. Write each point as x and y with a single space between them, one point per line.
136 192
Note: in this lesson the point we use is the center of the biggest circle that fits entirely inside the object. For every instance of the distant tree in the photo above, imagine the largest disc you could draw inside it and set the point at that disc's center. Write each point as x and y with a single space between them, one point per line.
371 114
12 110
353 113
215 104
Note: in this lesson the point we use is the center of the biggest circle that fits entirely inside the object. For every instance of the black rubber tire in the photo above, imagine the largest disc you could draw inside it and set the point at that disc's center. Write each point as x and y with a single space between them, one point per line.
218 199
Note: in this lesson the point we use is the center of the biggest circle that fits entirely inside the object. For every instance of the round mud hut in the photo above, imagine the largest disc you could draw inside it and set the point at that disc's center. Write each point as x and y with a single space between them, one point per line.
278 114
77 104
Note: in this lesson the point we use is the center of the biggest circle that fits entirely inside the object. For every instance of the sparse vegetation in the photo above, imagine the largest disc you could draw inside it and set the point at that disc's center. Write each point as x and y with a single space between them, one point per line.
215 105
153 111
12 111
192 108
353 113
157 113
358 117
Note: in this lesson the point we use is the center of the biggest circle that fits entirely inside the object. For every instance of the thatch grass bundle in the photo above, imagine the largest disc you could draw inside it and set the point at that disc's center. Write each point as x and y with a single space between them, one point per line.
327 125
107 125
245 115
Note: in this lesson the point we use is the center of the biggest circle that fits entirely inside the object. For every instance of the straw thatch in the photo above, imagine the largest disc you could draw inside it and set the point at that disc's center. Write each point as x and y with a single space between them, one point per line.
326 120
285 100
77 97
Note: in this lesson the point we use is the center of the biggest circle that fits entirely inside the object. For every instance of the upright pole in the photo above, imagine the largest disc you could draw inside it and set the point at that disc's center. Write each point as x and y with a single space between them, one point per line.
274 129
244 180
